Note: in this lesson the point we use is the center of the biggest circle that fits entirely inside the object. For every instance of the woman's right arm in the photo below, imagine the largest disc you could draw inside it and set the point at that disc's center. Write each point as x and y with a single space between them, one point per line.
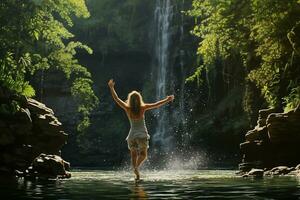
149 106
121 103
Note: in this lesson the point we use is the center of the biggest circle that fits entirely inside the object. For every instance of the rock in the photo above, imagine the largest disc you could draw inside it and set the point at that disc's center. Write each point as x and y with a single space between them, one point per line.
297 167
257 173
50 166
259 133
22 129
23 123
261 122
284 127
46 127
252 150
31 130
273 142
67 165
247 166
38 107
6 137
24 115
280 170
262 116
263 113
19 173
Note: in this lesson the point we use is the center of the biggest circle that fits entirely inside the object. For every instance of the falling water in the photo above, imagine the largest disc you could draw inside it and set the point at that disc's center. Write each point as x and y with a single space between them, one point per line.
169 74
182 113
163 18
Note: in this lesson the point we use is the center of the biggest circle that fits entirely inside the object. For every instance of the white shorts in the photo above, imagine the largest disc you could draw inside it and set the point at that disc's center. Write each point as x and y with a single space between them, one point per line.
138 144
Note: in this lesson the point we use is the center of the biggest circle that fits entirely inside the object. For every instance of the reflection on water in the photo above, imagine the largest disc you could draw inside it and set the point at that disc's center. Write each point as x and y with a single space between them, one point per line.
172 184
139 192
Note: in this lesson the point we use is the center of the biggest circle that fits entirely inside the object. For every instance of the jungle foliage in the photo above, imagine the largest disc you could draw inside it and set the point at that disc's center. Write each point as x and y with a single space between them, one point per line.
264 34
34 37
116 26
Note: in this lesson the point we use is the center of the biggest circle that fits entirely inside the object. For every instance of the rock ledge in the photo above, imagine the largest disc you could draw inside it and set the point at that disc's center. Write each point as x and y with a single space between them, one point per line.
30 138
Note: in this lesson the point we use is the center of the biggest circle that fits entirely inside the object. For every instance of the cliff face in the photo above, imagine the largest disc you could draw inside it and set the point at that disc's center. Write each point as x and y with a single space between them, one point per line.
273 142
28 129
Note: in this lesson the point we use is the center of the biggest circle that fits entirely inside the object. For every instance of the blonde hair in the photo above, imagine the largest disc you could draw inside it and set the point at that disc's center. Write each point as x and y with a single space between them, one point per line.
135 102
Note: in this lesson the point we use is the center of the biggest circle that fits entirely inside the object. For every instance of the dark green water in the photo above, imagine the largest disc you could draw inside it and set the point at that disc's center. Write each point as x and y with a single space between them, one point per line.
170 184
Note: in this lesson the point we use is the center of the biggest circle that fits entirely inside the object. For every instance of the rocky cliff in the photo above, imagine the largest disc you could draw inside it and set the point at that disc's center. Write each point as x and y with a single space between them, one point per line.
273 142
30 138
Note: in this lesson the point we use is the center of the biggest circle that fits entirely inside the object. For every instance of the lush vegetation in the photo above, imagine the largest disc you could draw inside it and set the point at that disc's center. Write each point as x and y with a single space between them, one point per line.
34 37
259 39
248 57
115 26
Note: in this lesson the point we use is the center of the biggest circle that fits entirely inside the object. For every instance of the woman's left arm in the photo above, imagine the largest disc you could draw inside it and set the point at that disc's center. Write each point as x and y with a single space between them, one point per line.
149 106
114 94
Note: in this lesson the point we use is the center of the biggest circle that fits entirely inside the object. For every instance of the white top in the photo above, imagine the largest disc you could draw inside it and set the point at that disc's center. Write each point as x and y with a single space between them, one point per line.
138 129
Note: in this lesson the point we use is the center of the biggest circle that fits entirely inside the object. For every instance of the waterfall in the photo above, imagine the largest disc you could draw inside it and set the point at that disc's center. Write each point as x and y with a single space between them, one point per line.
163 20
171 137
182 113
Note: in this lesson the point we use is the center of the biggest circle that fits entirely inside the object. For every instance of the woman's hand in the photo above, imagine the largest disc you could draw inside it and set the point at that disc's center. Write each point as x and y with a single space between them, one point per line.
111 83
170 98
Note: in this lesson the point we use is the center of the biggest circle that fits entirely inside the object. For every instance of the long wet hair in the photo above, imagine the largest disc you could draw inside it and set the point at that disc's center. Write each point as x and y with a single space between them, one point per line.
135 102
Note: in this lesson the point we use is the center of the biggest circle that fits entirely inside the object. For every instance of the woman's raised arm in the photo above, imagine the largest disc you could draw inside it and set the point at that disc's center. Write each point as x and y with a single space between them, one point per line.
149 106
121 103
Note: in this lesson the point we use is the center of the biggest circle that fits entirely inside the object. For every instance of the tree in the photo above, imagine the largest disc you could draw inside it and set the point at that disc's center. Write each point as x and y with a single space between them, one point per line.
263 34
33 37
115 26
273 23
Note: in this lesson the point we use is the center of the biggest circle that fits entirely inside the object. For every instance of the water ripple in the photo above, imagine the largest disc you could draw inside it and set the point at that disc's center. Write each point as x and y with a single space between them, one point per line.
170 184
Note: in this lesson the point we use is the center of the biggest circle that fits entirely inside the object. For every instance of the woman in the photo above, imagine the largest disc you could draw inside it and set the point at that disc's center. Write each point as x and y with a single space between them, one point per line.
138 138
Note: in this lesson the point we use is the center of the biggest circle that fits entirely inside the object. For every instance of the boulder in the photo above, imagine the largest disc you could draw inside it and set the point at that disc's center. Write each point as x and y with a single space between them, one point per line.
50 166
27 132
273 142
6 137
67 165
284 127
280 170
256 173
24 115
46 127
247 166
252 149
263 115
38 107
22 124
259 133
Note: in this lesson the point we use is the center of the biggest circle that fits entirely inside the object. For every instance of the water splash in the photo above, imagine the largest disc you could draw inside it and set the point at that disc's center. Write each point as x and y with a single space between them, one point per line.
191 161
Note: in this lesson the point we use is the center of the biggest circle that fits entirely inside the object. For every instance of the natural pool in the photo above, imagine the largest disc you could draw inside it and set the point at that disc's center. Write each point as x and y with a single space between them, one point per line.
169 184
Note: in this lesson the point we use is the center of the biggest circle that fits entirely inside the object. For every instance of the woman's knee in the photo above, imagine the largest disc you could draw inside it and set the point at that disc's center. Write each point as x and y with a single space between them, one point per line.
143 153
133 152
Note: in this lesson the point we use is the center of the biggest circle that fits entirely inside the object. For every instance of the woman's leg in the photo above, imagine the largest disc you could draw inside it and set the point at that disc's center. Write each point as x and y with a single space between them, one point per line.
141 157
134 156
